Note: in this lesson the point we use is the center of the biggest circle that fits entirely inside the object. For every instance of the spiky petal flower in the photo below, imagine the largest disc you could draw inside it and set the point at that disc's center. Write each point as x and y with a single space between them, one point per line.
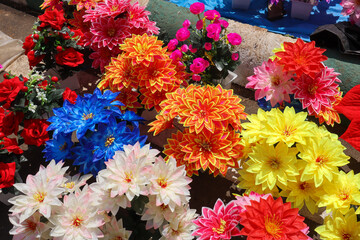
270 81
301 58
102 56
106 8
218 223
350 7
246 199
87 4
317 92
272 219
115 230
30 229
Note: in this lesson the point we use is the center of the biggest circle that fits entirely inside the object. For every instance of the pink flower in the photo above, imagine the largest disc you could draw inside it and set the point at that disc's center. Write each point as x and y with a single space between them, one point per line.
212 15
219 223
197 8
176 55
245 200
350 7
224 23
270 81
182 34
193 50
196 77
315 93
184 48
234 38
235 56
207 46
213 31
108 8
199 65
186 23
199 24
172 44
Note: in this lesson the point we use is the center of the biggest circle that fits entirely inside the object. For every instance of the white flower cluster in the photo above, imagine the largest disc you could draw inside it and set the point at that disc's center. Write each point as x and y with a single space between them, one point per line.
75 210
40 95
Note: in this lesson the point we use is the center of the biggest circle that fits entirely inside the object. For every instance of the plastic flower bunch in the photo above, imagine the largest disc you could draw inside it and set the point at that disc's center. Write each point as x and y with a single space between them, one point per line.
54 43
258 216
297 74
100 127
351 8
210 117
207 49
285 155
109 23
78 4
143 68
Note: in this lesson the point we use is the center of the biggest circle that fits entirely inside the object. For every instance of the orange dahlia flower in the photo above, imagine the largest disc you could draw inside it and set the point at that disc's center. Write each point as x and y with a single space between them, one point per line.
150 99
161 123
129 98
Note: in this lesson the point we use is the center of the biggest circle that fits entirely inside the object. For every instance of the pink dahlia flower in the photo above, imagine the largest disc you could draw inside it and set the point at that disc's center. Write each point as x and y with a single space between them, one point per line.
320 91
272 82
138 18
108 32
197 8
102 56
350 7
218 223
107 8
245 200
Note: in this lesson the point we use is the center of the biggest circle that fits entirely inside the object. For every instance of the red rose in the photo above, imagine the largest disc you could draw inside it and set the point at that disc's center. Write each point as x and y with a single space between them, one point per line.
9 89
7 173
29 44
79 35
52 18
34 132
11 121
70 57
69 95
33 61
11 145
43 84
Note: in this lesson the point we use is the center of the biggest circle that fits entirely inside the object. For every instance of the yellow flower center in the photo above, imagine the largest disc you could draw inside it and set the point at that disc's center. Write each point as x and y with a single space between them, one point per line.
70 185
162 182
163 207
301 60
288 131
274 163
109 141
312 89
117 238
77 221
320 160
275 80
221 228
128 177
344 194
87 116
114 8
63 147
273 226
111 32
40 196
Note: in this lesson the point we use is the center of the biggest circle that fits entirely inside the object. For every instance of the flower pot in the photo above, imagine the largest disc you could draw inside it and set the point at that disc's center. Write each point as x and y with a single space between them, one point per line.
226 82
301 10
241 4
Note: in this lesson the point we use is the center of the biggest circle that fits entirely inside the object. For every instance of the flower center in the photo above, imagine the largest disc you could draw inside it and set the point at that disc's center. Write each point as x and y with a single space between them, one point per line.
288 131
273 226
111 32
346 236
40 196
163 207
77 221
70 185
320 160
344 195
30 225
304 186
63 147
221 228
312 89
114 8
205 146
301 60
128 177
87 116
109 141
274 163
275 80
162 182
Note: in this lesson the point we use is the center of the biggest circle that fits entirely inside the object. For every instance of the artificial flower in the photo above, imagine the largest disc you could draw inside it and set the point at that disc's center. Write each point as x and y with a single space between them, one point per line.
182 34
350 7
102 56
218 223
330 115
172 44
69 95
301 58
58 148
28 44
150 100
115 230
34 132
197 8
30 228
7 174
69 57
11 145
53 18
73 183
9 89
199 65
246 199
87 4
49 3
213 31
161 123
129 97
212 15
234 39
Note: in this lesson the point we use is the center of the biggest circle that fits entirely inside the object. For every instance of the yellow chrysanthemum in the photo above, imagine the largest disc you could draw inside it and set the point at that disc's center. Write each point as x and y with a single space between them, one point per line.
323 156
342 192
275 50
340 227
273 164
253 130
288 127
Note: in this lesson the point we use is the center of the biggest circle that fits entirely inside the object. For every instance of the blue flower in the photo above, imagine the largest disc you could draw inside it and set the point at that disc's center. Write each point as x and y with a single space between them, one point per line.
58 148
83 155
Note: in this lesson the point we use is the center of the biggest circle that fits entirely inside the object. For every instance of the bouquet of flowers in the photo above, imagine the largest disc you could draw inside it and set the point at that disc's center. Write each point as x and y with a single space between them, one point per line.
206 50
138 195
297 73
25 104
101 129
211 120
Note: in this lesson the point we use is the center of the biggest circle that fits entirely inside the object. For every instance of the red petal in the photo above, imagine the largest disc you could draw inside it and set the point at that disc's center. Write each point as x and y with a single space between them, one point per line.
352 134
350 104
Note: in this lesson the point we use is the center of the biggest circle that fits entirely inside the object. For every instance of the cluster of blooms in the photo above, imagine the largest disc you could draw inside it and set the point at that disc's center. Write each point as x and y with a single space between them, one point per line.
24 102
101 129
260 216
54 43
351 8
297 69
135 182
144 66
207 54
296 159
211 117
108 24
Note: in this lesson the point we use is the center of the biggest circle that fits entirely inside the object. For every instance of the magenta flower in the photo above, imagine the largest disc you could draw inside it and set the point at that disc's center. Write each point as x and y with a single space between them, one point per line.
184 48
196 77
193 50
102 57
213 31
186 23
176 55
224 23
207 46
199 65
197 8
172 44
350 7
212 15
182 34
235 56
199 24
234 38
219 223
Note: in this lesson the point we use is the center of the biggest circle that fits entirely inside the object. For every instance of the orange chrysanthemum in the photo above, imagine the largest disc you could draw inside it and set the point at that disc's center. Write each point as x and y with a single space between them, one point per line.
129 98
301 58
150 99
86 4
161 123
143 49
50 3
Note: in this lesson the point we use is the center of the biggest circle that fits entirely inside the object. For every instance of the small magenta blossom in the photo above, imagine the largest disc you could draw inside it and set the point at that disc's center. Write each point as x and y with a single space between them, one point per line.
235 56
213 31
212 15
234 38
197 8
186 23
207 46
176 55
199 24
196 77
184 48
172 44
182 34
199 65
